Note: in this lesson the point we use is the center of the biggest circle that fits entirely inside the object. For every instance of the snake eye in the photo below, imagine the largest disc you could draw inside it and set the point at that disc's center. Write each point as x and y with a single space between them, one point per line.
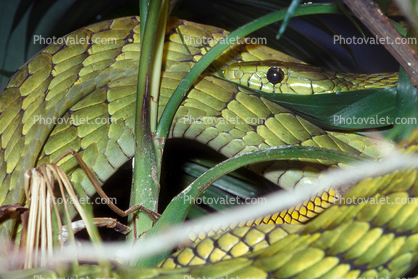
275 75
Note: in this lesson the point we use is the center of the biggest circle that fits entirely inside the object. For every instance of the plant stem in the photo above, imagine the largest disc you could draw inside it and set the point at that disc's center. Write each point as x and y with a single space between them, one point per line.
145 189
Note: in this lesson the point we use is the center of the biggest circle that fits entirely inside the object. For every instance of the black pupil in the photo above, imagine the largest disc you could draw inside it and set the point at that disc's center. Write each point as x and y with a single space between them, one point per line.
275 75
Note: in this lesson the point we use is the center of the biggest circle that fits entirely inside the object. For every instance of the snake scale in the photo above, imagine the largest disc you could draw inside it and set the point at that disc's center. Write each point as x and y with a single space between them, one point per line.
90 80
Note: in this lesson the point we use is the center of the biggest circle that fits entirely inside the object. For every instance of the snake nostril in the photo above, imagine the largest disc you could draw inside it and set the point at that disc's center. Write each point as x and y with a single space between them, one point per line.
275 75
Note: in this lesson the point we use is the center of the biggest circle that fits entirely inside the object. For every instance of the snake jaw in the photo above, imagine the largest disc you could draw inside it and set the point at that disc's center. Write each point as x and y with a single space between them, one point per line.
301 79
295 78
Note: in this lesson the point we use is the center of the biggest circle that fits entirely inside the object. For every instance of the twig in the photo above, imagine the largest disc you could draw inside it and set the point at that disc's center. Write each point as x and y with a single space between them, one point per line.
154 216
372 17
110 223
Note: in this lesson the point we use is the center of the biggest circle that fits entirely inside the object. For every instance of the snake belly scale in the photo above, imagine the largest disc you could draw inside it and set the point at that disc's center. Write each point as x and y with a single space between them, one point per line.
98 81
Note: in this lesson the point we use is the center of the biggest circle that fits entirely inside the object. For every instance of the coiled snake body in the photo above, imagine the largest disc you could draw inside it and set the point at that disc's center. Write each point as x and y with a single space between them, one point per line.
59 99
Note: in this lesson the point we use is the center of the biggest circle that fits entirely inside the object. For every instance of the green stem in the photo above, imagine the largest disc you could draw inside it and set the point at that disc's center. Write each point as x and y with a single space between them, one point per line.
145 189
143 14
289 14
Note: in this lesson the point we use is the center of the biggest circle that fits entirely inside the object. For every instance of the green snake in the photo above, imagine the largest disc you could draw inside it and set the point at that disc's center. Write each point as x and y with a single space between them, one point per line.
98 82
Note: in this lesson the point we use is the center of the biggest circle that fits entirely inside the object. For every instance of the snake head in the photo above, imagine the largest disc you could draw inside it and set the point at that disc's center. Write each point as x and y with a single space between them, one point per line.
273 76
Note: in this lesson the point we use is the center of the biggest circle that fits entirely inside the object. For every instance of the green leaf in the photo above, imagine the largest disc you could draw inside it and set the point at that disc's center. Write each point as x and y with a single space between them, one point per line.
347 110
400 28
233 183
234 186
290 11
406 112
